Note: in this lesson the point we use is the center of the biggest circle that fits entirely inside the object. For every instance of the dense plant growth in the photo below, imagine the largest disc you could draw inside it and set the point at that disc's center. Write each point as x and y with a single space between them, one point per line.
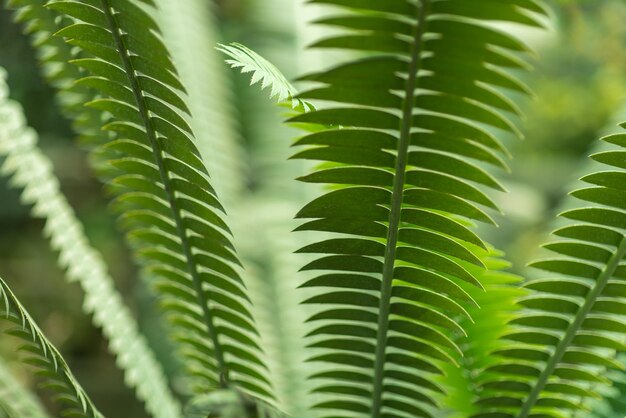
406 311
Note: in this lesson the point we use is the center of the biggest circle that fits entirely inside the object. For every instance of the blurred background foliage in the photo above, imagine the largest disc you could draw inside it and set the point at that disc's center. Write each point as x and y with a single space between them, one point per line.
579 82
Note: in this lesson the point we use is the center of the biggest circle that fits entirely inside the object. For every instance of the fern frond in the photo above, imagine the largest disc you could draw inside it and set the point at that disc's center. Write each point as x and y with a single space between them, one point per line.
162 191
16 400
495 307
267 248
418 113
31 171
264 72
39 352
189 32
572 325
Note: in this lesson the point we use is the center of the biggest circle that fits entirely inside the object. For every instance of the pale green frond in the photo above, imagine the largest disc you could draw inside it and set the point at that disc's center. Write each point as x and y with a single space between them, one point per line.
490 311
39 352
161 188
572 324
40 24
264 72
15 399
189 31
31 171
267 247
410 123
265 240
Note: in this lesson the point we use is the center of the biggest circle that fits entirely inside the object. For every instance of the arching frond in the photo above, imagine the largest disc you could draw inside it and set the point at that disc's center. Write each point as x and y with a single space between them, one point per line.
162 191
39 352
16 400
263 71
573 323
411 123
31 171
189 30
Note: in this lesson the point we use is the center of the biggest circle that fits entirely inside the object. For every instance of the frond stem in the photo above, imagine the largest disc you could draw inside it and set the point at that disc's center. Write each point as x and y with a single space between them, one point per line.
167 184
396 210
567 339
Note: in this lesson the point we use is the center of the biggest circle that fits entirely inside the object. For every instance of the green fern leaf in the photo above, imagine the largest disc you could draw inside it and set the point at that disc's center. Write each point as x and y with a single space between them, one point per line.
16 400
411 123
39 352
263 71
263 241
31 171
568 334
161 187
491 312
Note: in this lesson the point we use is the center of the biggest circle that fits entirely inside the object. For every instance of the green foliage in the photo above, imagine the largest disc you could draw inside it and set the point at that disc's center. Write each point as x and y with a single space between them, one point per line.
162 191
494 308
39 352
572 326
414 314
263 71
31 171
403 169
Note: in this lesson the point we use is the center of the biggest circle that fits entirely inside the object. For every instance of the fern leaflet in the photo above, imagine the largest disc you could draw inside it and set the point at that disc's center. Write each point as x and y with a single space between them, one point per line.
263 71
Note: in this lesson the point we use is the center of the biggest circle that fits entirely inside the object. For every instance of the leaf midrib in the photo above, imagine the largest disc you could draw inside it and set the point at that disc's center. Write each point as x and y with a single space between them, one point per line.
169 190
396 210
573 328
